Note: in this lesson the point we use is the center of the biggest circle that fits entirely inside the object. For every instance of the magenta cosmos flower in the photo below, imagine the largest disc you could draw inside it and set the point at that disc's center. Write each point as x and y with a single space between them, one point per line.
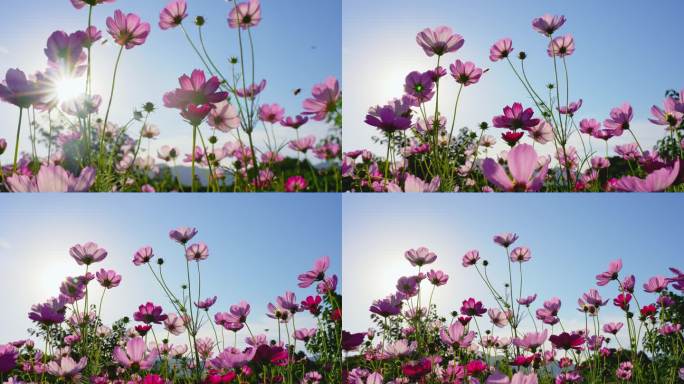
437 278
419 257
52 178
135 355
656 181
78 4
316 274
195 89
324 99
18 90
206 303
245 15
471 307
173 14
439 41
420 85
522 165
515 117
149 313
8 357
501 49
127 29
465 73
395 116
548 24
296 183
567 341
619 120
606 277
389 306
143 255
294 122
87 253
182 234
197 252
65 53
50 312
108 278
470 258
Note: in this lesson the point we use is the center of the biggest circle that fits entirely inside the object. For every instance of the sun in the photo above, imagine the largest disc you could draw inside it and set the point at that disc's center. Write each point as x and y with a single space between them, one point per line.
68 89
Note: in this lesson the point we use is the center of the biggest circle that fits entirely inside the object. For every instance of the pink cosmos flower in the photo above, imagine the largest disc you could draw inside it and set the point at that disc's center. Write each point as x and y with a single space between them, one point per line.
65 53
611 274
419 257
251 91
303 144
389 306
532 340
521 254
656 181
408 285
174 324
143 255
620 118
245 15
437 278
271 113
439 41
612 328
465 73
83 105
92 35
240 310
296 183
456 335
415 184
501 49
548 24
149 313
304 334
135 355
498 318
316 274
52 178
127 29
571 108
656 284
197 252
182 234
87 253
672 115
470 258
542 133
78 4
471 307
526 301
17 89
173 14
108 278
505 239
589 126
561 46
324 99
522 165
224 117
67 369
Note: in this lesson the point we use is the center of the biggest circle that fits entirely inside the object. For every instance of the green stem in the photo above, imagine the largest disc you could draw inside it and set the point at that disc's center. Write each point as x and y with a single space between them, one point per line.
16 144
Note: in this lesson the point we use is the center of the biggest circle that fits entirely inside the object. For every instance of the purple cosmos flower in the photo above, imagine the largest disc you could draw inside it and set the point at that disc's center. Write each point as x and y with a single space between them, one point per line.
240 310
271 113
620 118
567 341
419 257
656 181
439 41
289 302
135 355
328 285
420 85
389 306
437 278
526 301
18 90
515 117
143 255
67 369
501 49
304 334
351 341
92 35
8 358
571 108
548 24
182 234
127 29
149 313
50 312
197 252
612 328
206 303
294 122
173 14
589 126
87 253
561 46
395 116
520 255
523 168
251 91
465 73
65 53
78 4
408 285
505 239
245 15
606 277
108 278
656 284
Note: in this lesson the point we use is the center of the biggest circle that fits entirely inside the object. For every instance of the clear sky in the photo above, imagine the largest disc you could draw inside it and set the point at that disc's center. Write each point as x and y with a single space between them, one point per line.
624 52
257 247
572 239
297 45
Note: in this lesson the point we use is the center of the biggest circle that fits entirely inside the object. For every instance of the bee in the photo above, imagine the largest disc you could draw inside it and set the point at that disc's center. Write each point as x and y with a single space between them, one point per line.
297 91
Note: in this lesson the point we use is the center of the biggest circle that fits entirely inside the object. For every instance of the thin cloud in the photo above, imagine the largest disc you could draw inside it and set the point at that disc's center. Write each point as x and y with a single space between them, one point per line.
4 51
4 244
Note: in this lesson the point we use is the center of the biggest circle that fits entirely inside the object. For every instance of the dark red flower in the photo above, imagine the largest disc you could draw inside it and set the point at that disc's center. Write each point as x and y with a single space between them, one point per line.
512 137
475 367
351 341
416 370
648 310
567 341
311 304
622 301
336 314
142 329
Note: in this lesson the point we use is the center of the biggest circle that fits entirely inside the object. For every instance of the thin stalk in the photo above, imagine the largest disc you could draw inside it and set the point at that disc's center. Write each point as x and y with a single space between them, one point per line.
16 144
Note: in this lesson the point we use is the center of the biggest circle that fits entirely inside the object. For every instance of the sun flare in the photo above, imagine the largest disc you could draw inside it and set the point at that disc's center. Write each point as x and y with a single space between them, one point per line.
68 89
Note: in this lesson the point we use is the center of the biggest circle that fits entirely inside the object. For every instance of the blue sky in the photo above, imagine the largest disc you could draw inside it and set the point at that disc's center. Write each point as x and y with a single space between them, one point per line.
297 45
257 247
572 238
625 51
